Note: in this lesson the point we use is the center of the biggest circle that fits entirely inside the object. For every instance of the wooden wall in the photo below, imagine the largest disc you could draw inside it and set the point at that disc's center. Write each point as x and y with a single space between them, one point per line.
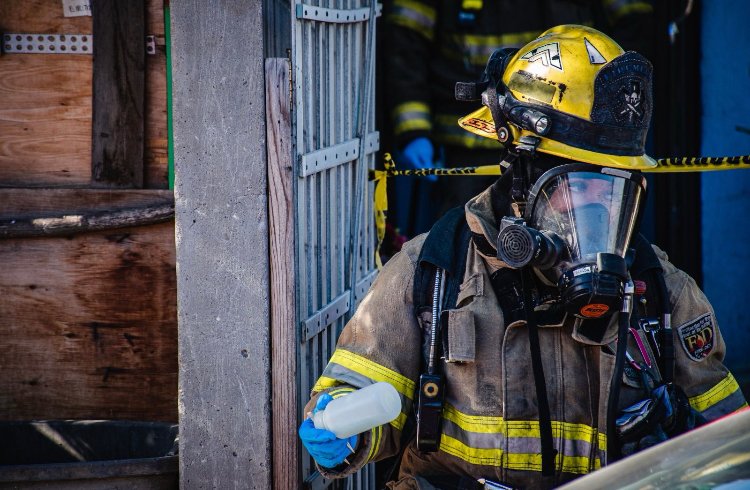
45 102
88 322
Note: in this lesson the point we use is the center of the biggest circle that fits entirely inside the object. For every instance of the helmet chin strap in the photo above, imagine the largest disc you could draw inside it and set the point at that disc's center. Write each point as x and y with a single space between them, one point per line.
526 166
520 188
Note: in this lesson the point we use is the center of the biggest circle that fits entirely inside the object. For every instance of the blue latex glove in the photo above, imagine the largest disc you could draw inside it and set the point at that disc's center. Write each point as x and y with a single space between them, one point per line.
328 450
420 153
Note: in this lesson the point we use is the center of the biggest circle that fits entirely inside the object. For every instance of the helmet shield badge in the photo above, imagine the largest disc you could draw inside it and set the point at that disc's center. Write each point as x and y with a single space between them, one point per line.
622 100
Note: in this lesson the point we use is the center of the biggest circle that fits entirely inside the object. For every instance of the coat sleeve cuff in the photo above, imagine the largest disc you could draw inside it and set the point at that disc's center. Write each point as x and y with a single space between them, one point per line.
356 461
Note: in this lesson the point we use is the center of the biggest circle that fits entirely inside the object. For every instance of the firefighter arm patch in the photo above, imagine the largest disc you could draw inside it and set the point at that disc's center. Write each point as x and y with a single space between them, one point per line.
698 337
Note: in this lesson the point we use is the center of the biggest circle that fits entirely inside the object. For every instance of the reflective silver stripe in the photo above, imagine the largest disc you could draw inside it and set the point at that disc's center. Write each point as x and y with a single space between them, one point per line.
347 376
411 116
415 16
618 8
729 404
521 445
488 440
476 49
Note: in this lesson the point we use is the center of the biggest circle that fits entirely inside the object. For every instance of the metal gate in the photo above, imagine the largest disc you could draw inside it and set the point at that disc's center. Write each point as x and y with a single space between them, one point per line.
333 67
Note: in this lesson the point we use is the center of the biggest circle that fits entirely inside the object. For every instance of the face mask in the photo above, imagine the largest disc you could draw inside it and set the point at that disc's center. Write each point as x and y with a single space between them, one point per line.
578 223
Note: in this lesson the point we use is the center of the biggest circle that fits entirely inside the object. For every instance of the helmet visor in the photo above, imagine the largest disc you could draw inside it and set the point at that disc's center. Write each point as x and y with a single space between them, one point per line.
590 211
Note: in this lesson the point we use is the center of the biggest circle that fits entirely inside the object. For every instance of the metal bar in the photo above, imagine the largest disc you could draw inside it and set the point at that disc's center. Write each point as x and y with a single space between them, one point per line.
362 124
335 155
372 142
326 315
326 158
324 102
30 43
331 197
299 112
337 16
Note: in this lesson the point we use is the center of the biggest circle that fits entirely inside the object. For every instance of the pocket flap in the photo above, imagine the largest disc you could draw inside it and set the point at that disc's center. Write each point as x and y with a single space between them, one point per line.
461 336
473 286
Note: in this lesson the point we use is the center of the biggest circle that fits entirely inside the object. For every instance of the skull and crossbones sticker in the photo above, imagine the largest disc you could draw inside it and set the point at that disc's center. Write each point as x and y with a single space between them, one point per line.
632 96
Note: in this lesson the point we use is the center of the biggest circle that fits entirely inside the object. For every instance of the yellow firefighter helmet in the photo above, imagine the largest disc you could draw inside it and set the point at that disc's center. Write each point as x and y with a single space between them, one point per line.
572 92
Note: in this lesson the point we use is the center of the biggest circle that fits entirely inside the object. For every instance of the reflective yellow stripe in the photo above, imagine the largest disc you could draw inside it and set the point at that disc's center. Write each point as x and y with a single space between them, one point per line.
602 440
411 106
419 7
454 447
415 16
376 435
412 125
414 26
471 4
374 371
495 41
619 8
475 49
324 382
484 424
399 421
411 116
340 392
717 393
637 8
516 461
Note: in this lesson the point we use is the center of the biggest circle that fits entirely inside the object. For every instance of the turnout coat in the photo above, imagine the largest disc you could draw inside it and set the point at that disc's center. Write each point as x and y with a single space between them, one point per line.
490 421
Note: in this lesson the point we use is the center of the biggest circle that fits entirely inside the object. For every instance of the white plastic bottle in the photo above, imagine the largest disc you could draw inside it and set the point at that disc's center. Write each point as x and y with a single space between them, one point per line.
361 410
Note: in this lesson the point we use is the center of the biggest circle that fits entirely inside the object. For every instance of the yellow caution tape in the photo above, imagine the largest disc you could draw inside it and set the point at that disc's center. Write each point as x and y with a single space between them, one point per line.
381 203
700 164
666 165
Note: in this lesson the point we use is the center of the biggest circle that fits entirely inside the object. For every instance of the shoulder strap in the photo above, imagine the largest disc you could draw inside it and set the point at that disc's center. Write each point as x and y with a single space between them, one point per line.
646 267
445 247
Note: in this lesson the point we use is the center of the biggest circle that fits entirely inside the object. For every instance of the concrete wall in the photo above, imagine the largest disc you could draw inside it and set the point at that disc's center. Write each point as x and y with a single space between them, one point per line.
222 244
725 78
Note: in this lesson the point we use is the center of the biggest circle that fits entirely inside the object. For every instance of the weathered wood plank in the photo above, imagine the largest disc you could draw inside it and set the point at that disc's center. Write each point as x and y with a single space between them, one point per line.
26 203
155 151
45 102
45 119
65 224
281 250
119 89
42 16
89 326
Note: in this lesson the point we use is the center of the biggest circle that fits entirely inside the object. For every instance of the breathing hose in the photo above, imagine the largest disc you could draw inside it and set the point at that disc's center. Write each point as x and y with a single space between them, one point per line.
613 448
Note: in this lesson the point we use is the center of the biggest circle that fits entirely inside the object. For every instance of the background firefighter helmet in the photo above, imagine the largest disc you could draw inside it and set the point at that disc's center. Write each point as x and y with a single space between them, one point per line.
577 92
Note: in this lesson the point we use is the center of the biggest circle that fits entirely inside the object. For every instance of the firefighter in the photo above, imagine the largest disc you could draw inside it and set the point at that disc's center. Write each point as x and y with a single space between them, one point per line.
430 45
533 332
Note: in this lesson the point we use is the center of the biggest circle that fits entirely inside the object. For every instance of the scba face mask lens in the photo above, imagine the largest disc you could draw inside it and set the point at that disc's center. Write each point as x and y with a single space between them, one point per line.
579 222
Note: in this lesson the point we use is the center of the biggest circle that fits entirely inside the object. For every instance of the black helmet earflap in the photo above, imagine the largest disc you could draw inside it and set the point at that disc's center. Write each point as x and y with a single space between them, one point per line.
491 77
487 87
503 107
